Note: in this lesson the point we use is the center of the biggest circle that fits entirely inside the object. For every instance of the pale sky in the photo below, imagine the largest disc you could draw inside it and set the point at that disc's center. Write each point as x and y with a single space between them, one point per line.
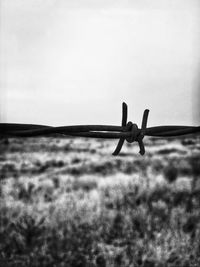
74 62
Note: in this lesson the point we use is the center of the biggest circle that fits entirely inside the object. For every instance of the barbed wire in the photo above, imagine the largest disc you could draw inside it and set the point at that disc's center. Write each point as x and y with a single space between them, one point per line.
126 132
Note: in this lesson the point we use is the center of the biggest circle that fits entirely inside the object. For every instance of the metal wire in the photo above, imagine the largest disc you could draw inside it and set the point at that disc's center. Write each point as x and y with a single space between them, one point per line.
127 131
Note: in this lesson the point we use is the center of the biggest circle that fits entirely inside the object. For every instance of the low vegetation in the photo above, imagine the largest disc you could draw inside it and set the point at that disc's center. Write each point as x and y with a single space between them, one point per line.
67 202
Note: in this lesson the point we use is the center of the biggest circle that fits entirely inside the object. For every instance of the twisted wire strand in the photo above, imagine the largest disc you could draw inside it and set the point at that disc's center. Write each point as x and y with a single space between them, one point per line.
127 131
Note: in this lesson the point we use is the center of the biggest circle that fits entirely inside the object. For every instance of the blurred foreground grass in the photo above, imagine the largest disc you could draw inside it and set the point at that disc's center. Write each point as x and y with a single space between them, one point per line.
67 202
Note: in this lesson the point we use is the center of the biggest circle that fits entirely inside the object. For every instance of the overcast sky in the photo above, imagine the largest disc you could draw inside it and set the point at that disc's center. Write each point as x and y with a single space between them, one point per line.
74 62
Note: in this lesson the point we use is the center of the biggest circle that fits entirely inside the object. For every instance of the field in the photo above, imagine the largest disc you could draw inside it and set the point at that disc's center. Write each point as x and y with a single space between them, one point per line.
69 202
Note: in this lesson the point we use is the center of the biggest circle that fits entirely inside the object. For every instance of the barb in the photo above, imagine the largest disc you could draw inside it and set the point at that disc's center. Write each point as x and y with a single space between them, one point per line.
127 131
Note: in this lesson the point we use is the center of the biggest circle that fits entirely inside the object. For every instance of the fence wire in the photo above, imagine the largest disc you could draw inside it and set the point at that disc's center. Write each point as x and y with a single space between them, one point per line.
128 131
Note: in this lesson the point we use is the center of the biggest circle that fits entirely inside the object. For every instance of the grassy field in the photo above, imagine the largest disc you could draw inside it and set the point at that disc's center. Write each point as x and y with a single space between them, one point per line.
69 202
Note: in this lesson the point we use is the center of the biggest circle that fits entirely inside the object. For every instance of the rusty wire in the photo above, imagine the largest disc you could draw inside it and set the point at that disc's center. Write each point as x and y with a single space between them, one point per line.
127 131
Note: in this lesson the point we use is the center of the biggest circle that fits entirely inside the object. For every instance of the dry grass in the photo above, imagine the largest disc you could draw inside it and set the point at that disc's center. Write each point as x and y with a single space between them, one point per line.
67 202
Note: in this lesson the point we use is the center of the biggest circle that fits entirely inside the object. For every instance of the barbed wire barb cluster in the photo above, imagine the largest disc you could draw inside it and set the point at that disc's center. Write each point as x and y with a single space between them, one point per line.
126 132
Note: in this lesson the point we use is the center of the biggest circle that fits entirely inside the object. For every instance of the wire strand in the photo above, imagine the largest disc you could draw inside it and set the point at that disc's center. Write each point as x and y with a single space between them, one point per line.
127 131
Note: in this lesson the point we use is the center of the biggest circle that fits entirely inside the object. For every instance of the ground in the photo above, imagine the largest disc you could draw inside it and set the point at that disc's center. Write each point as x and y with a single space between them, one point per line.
69 202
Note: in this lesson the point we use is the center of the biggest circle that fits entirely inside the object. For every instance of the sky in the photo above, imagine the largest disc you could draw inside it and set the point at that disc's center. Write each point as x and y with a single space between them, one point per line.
74 62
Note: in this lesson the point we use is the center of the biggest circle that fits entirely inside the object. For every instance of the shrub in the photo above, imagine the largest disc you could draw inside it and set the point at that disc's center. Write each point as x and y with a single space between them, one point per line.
170 173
